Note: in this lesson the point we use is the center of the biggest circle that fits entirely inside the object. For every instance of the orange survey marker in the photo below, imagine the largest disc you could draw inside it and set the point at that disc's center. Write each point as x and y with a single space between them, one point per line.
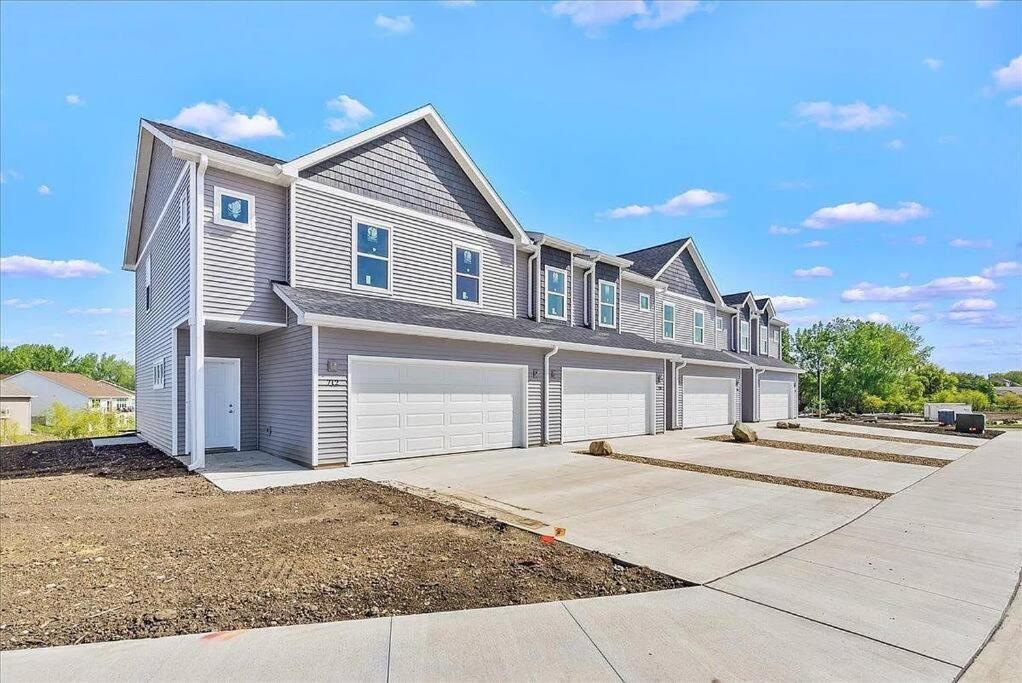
558 532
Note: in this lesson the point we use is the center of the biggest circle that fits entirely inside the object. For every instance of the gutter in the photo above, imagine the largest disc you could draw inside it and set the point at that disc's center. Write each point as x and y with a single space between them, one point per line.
546 394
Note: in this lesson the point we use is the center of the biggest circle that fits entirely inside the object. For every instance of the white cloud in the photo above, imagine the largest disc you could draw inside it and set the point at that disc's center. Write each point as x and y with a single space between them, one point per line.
1009 77
678 205
918 318
73 99
26 303
223 123
352 113
29 265
814 244
783 302
1015 101
99 333
399 24
666 12
630 211
934 289
815 271
974 304
864 212
847 117
961 243
932 63
594 15
44 190
896 144
782 230
984 319
1003 269
876 317
983 4
90 311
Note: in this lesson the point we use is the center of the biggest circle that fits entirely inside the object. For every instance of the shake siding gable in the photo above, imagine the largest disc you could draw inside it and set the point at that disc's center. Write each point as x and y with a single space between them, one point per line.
421 252
410 167
683 277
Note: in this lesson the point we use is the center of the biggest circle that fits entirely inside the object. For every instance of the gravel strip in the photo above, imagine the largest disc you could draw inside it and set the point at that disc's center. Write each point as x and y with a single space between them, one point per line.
927 429
878 437
740 474
835 450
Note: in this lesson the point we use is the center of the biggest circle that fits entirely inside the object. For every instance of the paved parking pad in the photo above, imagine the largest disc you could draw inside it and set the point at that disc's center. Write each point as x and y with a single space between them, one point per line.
850 441
949 438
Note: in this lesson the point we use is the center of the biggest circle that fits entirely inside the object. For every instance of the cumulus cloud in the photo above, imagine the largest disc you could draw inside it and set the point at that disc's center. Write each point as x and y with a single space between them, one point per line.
783 230
815 271
44 190
396 25
1009 77
961 243
985 319
814 244
678 205
864 212
847 117
218 120
1003 269
630 211
592 16
934 289
29 265
932 63
26 303
974 304
90 311
876 317
666 12
783 302
73 99
351 113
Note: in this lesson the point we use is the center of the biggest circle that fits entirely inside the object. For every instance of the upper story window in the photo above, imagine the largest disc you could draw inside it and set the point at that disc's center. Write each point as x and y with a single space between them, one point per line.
743 336
372 261
182 212
233 209
764 341
668 321
698 327
467 275
148 279
608 304
720 323
556 293
643 301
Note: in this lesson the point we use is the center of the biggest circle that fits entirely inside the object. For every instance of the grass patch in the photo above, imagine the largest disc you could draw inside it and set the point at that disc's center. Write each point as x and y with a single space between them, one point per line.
835 450
878 437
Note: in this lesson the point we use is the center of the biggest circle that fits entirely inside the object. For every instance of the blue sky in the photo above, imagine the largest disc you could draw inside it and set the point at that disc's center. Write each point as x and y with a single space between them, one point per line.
887 135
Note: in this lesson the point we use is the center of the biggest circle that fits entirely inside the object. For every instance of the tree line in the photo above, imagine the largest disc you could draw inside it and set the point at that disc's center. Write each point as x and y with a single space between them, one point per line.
47 357
859 366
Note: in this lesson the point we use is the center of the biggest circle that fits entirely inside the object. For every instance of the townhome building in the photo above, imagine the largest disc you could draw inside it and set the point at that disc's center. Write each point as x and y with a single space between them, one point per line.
376 299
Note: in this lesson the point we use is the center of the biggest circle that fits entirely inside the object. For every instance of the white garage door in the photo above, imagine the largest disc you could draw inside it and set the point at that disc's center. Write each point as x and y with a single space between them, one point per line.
776 400
707 401
405 408
601 404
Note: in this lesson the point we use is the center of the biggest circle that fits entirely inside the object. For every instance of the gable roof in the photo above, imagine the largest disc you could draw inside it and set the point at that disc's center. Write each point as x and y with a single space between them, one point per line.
651 261
9 389
215 145
739 298
86 386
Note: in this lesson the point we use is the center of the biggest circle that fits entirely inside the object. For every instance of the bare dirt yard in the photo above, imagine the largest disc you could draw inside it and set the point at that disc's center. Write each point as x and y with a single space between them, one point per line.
125 543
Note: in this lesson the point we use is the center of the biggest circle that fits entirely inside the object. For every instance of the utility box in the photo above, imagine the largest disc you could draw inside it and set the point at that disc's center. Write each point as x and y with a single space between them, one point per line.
945 417
930 410
972 423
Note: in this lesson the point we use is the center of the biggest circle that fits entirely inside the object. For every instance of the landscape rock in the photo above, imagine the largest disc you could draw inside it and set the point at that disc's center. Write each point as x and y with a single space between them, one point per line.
794 425
743 433
600 448
781 424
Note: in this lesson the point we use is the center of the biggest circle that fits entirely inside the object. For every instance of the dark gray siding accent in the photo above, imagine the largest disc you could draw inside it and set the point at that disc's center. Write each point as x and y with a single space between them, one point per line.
555 258
522 276
682 277
336 345
410 167
285 393
421 252
164 170
691 370
578 296
596 361
240 263
749 395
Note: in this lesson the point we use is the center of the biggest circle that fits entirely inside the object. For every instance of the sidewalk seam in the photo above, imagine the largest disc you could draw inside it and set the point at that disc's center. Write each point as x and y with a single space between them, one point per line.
564 604
390 646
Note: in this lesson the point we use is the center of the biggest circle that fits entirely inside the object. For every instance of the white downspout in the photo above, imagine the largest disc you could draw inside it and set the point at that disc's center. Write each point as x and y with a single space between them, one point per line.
755 392
197 340
533 308
674 390
546 394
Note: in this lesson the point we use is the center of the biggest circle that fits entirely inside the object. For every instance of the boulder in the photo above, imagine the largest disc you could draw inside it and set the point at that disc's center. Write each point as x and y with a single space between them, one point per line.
794 425
781 424
600 448
743 433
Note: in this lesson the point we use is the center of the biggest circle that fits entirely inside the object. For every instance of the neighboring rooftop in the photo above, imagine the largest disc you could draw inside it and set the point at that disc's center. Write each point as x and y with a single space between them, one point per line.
651 260
736 298
210 143
85 385
9 389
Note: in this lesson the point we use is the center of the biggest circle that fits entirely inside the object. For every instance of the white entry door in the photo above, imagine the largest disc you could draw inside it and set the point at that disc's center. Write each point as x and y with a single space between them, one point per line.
602 404
776 400
707 401
401 408
222 404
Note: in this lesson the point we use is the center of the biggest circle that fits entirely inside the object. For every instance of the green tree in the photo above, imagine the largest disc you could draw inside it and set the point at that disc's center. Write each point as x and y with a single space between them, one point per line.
935 378
968 380
50 358
1013 376
812 350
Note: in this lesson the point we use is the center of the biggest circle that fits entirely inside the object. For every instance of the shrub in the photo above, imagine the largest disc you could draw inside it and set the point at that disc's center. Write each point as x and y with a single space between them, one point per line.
9 431
1009 402
977 399
872 404
65 423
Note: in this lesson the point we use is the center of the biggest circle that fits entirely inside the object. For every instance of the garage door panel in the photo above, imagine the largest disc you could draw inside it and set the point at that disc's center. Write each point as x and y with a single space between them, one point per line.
707 401
776 399
604 404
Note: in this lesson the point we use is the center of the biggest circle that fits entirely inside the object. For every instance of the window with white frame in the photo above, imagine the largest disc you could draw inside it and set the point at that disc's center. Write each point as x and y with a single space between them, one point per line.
720 323
233 209
643 301
148 279
698 327
159 373
182 212
556 293
743 336
668 330
467 273
608 304
764 340
372 261
775 335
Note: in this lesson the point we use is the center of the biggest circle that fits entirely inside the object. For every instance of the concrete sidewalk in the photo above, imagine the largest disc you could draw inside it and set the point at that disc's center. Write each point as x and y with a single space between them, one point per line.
685 634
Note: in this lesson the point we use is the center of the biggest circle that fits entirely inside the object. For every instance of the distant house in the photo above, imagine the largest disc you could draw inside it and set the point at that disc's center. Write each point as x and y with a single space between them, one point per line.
15 405
73 390
1008 388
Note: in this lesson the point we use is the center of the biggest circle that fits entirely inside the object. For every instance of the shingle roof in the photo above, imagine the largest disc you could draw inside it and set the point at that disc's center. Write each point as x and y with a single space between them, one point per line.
315 301
9 389
210 143
762 361
736 298
762 302
651 260
85 385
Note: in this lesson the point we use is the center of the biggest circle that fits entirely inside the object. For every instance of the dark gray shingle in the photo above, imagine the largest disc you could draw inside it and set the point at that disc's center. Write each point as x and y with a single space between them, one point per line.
650 260
215 145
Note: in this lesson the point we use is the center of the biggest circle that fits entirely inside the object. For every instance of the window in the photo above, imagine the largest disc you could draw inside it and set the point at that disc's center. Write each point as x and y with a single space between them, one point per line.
148 279
372 257
556 286
743 336
608 304
182 212
720 324
698 327
764 341
233 209
643 301
668 321
159 373
467 275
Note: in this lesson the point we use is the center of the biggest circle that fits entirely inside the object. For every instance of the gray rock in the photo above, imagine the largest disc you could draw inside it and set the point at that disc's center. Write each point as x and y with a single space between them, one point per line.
743 433
781 424
794 425
600 448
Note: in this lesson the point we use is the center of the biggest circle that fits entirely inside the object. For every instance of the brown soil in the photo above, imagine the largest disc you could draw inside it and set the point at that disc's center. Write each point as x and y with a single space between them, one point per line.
928 429
740 474
834 450
125 543
893 439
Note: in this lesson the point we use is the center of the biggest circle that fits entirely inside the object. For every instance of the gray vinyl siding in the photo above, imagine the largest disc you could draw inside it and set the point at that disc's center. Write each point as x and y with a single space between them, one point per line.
164 170
168 253
597 361
522 276
684 322
724 336
642 323
410 167
421 251
749 395
682 277
240 263
555 258
337 345
708 371
775 346
285 393
578 297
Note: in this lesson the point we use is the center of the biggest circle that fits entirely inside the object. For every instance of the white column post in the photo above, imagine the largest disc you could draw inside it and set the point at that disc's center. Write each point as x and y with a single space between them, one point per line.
197 329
